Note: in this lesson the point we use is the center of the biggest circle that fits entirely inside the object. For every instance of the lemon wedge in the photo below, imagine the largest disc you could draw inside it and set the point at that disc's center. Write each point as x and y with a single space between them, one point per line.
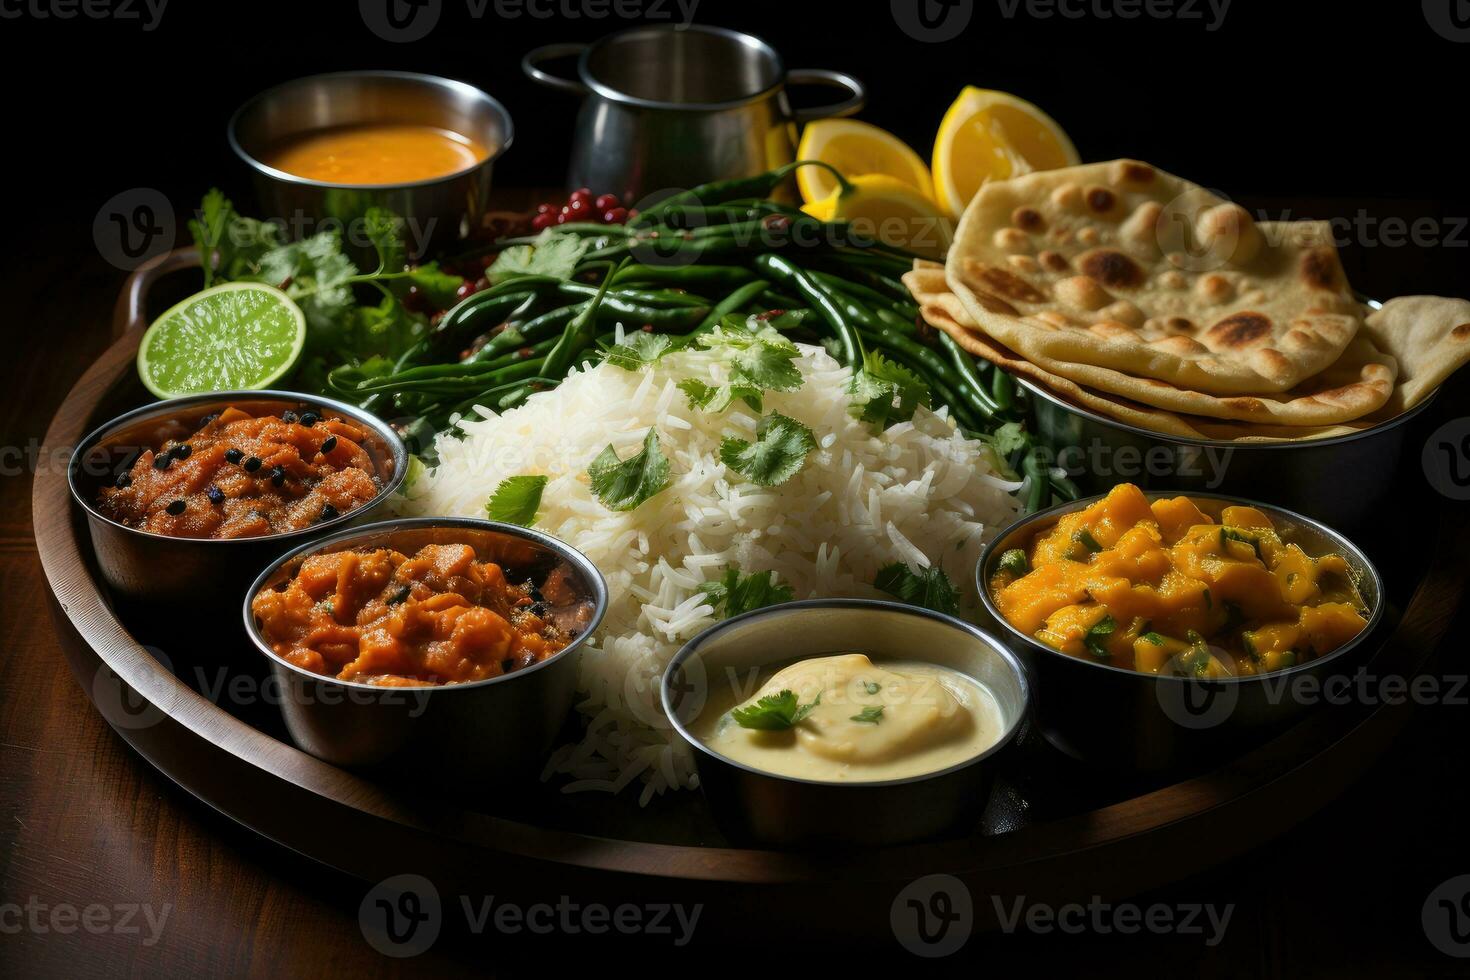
854 148
990 135
886 208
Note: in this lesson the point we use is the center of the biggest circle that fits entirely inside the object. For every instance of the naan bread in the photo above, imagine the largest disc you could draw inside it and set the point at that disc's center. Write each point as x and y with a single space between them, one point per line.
1121 266
943 310
1430 336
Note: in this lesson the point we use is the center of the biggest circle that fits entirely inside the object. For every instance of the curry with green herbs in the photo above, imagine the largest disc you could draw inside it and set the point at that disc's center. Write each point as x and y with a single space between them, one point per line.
1164 587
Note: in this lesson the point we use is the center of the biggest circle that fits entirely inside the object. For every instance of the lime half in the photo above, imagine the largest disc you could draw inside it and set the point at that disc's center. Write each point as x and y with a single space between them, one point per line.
237 335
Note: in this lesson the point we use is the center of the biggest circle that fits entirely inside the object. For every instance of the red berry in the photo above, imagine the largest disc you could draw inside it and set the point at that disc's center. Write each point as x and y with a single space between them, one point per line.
543 221
615 216
606 202
582 192
561 218
465 289
576 206
544 207
481 283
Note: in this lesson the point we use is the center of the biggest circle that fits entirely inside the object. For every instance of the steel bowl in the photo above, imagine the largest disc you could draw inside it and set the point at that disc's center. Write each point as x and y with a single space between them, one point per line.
496 728
1345 481
766 808
1116 718
203 573
436 212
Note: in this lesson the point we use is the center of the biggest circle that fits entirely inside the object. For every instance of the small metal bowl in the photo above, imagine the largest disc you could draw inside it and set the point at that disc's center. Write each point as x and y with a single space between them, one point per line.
1344 480
761 807
500 727
1116 718
197 573
436 211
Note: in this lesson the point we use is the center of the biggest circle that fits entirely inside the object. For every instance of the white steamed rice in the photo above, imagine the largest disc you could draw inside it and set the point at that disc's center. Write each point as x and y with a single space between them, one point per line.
918 493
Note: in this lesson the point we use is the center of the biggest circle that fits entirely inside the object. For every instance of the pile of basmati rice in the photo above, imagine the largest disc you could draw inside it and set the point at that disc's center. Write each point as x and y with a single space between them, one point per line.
919 493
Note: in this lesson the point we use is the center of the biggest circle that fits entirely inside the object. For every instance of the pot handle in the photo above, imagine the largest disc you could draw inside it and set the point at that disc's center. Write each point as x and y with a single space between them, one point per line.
131 311
832 79
530 64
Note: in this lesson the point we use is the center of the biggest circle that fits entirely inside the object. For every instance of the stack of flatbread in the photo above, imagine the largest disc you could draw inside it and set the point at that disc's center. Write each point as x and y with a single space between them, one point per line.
1150 300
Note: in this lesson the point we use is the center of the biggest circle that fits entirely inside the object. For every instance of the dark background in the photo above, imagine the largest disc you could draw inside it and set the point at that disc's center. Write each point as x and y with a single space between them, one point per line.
1322 108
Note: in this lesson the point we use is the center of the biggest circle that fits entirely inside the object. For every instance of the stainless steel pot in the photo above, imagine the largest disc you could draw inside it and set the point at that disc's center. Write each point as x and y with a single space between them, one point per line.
667 108
436 212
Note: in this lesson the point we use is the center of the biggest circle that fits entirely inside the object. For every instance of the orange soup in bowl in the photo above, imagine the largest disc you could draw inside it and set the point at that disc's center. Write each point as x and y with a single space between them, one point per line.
376 153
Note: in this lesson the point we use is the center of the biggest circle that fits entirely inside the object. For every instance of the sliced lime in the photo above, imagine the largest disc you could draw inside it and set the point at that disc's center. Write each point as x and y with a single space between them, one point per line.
237 335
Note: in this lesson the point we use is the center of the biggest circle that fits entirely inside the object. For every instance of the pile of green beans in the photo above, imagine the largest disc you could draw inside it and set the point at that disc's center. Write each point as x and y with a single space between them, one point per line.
679 268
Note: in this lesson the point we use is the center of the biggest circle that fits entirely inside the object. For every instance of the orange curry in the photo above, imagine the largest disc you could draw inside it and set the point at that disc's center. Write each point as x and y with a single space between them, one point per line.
381 617
1164 587
241 476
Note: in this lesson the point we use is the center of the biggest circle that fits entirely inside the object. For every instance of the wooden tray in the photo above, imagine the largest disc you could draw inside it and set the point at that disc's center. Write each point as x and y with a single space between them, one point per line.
1051 834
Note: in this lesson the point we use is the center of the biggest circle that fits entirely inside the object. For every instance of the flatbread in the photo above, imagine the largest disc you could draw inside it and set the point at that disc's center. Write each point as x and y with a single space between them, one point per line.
943 310
1121 266
1430 337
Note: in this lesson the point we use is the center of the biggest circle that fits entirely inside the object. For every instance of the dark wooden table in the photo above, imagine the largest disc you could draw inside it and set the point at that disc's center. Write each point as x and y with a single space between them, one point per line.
86 824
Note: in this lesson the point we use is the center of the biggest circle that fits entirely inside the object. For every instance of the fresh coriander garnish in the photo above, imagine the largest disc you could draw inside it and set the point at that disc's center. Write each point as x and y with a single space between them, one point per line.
778 453
774 712
1085 539
928 587
554 254
639 350
884 392
740 594
871 715
516 500
1014 562
624 484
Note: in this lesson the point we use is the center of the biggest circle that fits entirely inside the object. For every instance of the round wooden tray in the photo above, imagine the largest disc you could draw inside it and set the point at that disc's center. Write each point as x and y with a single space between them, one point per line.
1052 835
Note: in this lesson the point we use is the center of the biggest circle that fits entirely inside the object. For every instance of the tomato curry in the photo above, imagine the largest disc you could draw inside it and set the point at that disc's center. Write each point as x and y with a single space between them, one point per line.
243 476
382 617
1165 588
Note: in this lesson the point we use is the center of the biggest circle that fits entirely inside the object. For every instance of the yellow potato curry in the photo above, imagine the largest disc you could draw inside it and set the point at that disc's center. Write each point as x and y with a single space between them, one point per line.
1163 587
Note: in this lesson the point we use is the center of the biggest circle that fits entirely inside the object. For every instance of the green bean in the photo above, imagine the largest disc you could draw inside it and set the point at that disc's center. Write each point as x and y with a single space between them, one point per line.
1003 389
730 304
1038 481
719 278
819 298
577 334
965 366
723 191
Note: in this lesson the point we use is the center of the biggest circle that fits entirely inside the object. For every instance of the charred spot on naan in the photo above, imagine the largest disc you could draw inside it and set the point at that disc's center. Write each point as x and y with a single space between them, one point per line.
1028 219
1462 332
1001 282
1100 200
1320 269
1239 330
1054 261
1111 268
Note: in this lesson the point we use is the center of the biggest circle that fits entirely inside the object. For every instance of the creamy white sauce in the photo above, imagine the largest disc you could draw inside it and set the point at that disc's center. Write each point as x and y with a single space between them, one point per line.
866 722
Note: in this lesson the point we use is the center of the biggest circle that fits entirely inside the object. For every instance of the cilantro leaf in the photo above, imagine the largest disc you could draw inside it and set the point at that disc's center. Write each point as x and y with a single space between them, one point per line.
742 594
516 500
385 230
639 350
439 286
774 712
778 453
871 715
230 246
928 587
717 398
624 484
1009 438
554 254
885 392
